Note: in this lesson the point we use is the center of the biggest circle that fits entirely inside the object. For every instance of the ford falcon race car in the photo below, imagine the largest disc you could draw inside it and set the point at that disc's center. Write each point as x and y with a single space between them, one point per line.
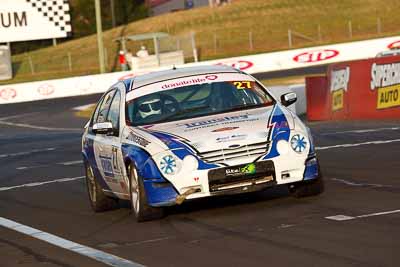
162 138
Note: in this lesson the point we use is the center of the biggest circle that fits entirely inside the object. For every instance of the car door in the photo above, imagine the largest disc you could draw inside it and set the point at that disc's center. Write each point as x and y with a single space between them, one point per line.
107 147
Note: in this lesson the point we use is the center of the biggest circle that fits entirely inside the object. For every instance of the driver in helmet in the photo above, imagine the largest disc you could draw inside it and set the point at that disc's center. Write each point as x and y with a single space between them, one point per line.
150 106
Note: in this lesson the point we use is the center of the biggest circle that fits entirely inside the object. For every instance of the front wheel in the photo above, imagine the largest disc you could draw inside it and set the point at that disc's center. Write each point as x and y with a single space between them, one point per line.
307 188
98 200
142 211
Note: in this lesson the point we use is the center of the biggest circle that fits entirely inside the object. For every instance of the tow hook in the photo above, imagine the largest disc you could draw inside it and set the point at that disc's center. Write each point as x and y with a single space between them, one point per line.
180 198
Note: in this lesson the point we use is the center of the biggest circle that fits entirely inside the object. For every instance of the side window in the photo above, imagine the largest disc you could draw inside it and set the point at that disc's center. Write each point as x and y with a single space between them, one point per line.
96 112
104 107
113 114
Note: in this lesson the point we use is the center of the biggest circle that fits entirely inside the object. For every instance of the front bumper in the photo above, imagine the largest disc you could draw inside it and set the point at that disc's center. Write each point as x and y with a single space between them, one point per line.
225 180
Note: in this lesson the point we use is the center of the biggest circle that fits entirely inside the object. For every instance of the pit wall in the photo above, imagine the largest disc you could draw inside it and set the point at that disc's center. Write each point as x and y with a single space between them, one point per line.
362 89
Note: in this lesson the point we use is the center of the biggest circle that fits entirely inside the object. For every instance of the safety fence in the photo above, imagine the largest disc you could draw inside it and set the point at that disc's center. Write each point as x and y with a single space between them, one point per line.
261 63
215 37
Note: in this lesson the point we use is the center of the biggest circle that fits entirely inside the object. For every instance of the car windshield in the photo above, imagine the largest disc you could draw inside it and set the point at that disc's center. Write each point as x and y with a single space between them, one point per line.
195 101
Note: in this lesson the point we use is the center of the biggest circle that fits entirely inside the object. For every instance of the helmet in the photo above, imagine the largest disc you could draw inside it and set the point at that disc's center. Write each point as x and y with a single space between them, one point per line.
150 107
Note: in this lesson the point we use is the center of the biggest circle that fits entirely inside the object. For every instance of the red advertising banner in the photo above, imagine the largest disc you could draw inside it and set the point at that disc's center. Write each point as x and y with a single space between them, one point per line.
363 89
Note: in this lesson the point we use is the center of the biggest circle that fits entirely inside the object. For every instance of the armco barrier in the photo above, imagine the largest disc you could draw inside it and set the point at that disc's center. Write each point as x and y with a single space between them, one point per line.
290 59
363 89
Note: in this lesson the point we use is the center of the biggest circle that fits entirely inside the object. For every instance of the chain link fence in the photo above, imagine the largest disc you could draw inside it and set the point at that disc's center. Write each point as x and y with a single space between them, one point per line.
208 43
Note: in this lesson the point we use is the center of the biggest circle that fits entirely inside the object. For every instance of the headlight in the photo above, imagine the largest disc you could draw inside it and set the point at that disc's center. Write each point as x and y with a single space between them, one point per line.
283 147
190 163
169 165
298 143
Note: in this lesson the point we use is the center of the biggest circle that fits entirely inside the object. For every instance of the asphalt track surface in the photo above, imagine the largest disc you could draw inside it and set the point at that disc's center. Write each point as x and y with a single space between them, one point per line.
40 142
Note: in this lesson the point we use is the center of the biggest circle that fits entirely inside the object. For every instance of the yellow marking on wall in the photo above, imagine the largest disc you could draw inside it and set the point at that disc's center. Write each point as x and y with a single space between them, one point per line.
337 100
388 97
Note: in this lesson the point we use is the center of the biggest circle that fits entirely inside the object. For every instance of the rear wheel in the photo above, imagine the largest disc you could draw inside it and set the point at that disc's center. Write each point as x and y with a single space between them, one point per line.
98 200
142 211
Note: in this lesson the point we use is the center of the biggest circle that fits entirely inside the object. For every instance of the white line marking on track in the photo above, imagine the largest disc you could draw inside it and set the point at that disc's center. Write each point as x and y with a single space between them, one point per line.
80 108
364 131
30 167
41 183
92 253
378 142
68 163
38 127
341 217
18 116
24 153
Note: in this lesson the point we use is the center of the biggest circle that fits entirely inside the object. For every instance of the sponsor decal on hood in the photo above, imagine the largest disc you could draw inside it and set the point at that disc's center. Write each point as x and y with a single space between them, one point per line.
211 132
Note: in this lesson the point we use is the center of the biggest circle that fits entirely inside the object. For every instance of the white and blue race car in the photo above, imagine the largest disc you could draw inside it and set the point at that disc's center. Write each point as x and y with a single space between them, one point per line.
161 138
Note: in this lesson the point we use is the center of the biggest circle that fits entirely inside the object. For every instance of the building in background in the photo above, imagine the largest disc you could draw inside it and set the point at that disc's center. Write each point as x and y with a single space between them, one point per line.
164 6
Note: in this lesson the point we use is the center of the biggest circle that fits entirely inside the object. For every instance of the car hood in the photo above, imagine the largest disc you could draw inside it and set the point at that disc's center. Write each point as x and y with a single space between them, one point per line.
221 131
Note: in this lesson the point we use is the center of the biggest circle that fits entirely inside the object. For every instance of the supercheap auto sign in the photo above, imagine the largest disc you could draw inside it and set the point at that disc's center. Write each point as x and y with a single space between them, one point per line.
363 89
23 20
339 84
385 78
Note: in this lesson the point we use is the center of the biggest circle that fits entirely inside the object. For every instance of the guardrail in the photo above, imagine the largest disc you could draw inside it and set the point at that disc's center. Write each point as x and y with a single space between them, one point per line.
261 63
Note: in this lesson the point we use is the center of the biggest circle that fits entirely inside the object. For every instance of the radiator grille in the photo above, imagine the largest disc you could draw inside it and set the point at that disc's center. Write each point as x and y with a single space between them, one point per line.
242 152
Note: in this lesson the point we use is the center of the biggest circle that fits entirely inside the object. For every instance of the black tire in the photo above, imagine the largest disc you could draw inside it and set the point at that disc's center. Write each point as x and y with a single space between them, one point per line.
308 188
143 212
98 200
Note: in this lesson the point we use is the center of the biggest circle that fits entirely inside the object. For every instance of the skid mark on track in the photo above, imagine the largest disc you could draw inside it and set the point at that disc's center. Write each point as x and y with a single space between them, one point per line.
23 125
341 217
36 256
378 142
352 183
61 180
147 241
86 251
284 246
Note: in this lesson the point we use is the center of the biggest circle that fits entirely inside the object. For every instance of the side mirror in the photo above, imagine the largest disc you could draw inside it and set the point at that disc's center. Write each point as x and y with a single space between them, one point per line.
288 99
103 128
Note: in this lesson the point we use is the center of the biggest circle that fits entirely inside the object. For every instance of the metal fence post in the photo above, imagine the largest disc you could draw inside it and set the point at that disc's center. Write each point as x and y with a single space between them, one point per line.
106 57
290 38
251 41
31 65
69 61
378 25
319 33
215 43
193 40
350 30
